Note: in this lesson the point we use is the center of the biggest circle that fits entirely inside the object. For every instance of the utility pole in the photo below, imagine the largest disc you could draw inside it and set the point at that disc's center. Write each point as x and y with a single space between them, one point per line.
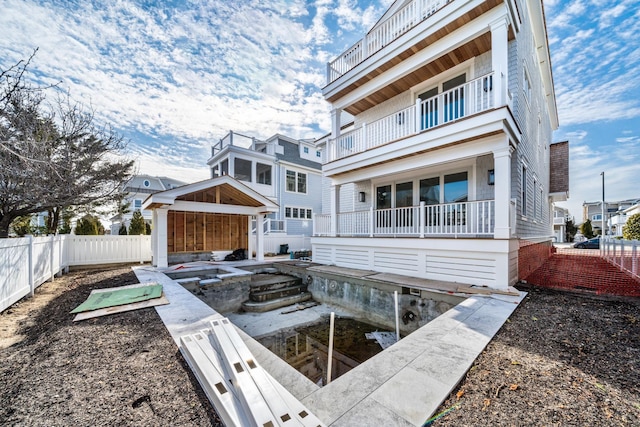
604 228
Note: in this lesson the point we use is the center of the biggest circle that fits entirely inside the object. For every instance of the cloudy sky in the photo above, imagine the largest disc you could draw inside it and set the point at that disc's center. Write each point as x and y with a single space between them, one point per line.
176 76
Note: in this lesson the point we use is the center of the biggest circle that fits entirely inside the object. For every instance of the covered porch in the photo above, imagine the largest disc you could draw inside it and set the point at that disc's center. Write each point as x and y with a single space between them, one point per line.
206 216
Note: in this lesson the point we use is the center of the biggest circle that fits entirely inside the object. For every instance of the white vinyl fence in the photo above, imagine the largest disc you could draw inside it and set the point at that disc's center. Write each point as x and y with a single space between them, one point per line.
28 262
625 254
272 242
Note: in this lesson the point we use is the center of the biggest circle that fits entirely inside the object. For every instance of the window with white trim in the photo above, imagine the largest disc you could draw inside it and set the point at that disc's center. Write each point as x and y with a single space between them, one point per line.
305 150
137 204
535 197
296 182
523 195
526 85
295 212
263 173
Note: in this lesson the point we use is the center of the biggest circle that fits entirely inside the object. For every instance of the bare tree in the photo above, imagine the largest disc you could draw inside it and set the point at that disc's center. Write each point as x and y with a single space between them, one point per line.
53 157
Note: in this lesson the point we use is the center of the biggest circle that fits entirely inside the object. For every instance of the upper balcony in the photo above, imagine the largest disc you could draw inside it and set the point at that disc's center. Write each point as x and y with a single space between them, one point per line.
232 139
471 98
382 34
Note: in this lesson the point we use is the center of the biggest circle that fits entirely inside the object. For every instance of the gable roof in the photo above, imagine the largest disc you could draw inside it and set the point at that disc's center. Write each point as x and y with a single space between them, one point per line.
225 192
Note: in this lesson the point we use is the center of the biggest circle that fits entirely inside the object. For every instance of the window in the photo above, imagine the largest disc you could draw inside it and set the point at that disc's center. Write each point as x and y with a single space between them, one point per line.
291 212
296 182
137 204
450 95
596 217
456 188
526 86
305 150
263 173
224 167
318 154
524 191
146 183
535 197
242 170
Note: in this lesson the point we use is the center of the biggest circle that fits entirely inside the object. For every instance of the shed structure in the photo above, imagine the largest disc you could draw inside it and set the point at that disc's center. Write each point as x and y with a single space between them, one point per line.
206 216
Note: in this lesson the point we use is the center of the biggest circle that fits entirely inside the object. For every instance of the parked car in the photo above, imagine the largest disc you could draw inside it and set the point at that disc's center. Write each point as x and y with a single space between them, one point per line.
589 244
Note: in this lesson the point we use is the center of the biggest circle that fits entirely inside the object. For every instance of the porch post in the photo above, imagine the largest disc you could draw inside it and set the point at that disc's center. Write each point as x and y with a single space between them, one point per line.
502 166
250 242
160 258
332 144
259 237
334 210
500 59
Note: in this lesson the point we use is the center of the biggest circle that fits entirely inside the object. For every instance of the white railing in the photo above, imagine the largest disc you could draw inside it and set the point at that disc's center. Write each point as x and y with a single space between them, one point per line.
383 34
451 219
270 226
322 225
232 138
470 98
273 242
625 254
26 263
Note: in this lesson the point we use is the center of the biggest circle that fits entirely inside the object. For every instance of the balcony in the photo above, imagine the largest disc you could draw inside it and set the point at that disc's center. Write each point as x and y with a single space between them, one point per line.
232 139
462 219
462 101
382 34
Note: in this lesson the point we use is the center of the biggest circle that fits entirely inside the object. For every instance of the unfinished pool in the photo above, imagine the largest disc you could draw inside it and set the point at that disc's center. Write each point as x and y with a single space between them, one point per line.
305 348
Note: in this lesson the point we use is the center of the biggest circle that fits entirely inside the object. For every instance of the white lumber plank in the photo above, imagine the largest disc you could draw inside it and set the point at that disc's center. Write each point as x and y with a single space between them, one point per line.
255 406
213 382
287 409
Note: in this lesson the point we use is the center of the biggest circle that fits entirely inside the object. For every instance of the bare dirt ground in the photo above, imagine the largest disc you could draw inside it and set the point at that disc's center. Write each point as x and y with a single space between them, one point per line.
122 369
560 360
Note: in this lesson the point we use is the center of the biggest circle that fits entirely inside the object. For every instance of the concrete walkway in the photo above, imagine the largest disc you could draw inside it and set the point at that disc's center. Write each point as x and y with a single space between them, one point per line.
401 386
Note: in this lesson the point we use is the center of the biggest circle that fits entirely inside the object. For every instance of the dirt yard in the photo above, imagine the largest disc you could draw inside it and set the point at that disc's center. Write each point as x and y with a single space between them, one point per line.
560 360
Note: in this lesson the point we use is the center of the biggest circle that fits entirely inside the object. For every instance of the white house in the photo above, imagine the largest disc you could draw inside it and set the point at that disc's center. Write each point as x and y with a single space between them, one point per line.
136 191
445 171
286 170
616 222
560 217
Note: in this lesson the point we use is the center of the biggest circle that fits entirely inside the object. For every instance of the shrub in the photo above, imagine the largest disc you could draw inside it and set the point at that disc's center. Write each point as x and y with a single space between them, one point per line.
586 229
137 225
631 230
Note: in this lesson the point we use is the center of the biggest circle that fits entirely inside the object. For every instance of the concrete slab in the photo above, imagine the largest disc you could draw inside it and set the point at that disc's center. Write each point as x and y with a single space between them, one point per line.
414 282
342 271
401 386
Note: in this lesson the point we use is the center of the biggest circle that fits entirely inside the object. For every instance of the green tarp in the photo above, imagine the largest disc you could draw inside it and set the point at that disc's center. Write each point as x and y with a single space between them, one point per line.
115 297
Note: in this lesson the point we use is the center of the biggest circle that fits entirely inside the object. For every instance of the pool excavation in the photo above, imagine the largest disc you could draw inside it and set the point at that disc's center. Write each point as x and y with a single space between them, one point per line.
366 306
283 308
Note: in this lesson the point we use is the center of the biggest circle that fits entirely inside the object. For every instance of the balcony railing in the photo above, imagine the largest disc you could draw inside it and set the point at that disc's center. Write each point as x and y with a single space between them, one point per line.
450 219
473 97
270 226
232 138
389 30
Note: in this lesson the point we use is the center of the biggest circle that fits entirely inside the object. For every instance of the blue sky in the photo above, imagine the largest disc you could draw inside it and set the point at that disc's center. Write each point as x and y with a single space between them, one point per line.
176 76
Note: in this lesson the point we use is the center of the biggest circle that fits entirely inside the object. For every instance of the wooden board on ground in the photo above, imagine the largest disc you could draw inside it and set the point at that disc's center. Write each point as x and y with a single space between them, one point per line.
121 308
487 291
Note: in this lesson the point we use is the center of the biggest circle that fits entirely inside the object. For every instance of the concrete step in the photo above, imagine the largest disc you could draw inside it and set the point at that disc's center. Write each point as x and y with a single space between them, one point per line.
266 282
261 307
272 294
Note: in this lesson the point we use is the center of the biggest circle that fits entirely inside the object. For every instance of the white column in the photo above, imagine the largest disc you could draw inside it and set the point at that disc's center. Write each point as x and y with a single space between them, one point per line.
500 59
160 249
502 189
334 210
259 237
250 242
335 123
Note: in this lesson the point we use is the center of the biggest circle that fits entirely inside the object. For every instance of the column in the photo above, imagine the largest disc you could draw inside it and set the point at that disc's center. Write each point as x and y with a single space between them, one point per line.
160 258
250 242
259 237
500 59
502 188
334 210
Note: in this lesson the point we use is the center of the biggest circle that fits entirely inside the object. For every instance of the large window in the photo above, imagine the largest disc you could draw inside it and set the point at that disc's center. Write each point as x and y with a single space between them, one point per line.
451 102
291 212
263 173
137 204
456 188
242 170
524 191
296 182
224 167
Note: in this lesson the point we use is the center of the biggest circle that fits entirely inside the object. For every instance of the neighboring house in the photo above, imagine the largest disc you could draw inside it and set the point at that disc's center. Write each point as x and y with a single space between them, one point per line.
593 212
617 221
286 170
445 171
136 191
560 218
